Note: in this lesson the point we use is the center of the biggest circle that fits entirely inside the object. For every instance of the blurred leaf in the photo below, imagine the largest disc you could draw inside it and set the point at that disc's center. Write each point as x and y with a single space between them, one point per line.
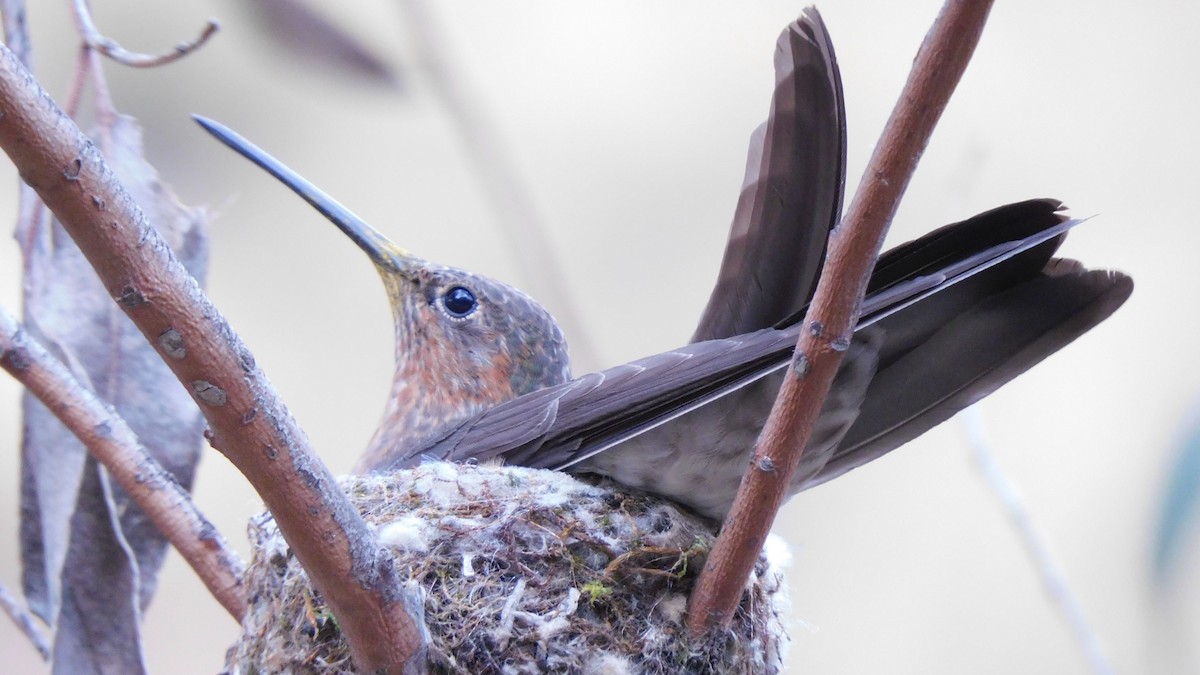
85 546
1178 513
98 624
300 30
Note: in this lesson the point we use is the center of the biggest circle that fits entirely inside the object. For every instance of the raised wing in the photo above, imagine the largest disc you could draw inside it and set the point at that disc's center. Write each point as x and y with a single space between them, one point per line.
792 193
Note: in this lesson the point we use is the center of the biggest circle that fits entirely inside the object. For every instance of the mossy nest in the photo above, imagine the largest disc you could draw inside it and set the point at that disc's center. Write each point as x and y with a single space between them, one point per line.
522 571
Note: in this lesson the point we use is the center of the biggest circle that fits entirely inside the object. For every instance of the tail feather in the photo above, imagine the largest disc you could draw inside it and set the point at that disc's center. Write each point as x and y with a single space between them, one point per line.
966 357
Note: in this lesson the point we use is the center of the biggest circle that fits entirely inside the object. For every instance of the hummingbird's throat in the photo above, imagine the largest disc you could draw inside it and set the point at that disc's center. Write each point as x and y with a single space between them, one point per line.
437 386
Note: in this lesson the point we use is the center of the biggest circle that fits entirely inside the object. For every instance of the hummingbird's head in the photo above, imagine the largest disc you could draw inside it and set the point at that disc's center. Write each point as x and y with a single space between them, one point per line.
482 338
464 342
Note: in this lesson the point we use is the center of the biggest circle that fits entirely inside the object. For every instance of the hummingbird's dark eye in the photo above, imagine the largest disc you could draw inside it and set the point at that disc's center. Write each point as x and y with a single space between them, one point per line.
459 302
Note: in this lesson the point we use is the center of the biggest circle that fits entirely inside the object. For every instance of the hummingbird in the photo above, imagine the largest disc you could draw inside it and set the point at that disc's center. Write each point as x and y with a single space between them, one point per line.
483 372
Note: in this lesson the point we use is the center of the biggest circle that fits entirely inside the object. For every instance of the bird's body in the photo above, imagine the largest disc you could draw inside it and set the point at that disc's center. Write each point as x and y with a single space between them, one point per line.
948 319
482 372
698 459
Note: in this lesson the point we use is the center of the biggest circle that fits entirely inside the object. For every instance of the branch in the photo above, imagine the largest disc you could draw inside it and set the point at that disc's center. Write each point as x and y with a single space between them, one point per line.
853 247
25 622
248 423
1054 581
16 36
110 440
113 50
16 32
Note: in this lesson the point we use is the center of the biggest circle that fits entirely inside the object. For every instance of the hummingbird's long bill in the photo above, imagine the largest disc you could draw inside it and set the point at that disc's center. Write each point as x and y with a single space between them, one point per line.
381 250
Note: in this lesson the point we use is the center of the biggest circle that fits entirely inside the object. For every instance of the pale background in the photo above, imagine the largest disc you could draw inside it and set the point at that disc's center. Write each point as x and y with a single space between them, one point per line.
629 121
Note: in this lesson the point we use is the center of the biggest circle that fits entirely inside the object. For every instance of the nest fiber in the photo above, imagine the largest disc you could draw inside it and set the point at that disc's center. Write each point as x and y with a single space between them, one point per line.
520 571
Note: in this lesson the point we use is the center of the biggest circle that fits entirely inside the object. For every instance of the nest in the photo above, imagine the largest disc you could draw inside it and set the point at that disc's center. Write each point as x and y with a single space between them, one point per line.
521 571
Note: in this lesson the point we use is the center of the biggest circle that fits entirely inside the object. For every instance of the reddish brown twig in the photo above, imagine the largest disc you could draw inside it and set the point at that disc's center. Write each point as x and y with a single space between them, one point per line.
853 247
248 423
110 440
93 38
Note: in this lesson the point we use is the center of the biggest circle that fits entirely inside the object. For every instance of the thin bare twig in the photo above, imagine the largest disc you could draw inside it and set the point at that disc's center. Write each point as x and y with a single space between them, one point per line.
527 235
25 622
102 100
79 80
113 50
16 36
359 579
1052 577
110 440
854 245
16 33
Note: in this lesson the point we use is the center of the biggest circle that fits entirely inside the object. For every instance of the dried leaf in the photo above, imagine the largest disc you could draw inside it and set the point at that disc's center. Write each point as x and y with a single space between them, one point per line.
98 625
69 546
